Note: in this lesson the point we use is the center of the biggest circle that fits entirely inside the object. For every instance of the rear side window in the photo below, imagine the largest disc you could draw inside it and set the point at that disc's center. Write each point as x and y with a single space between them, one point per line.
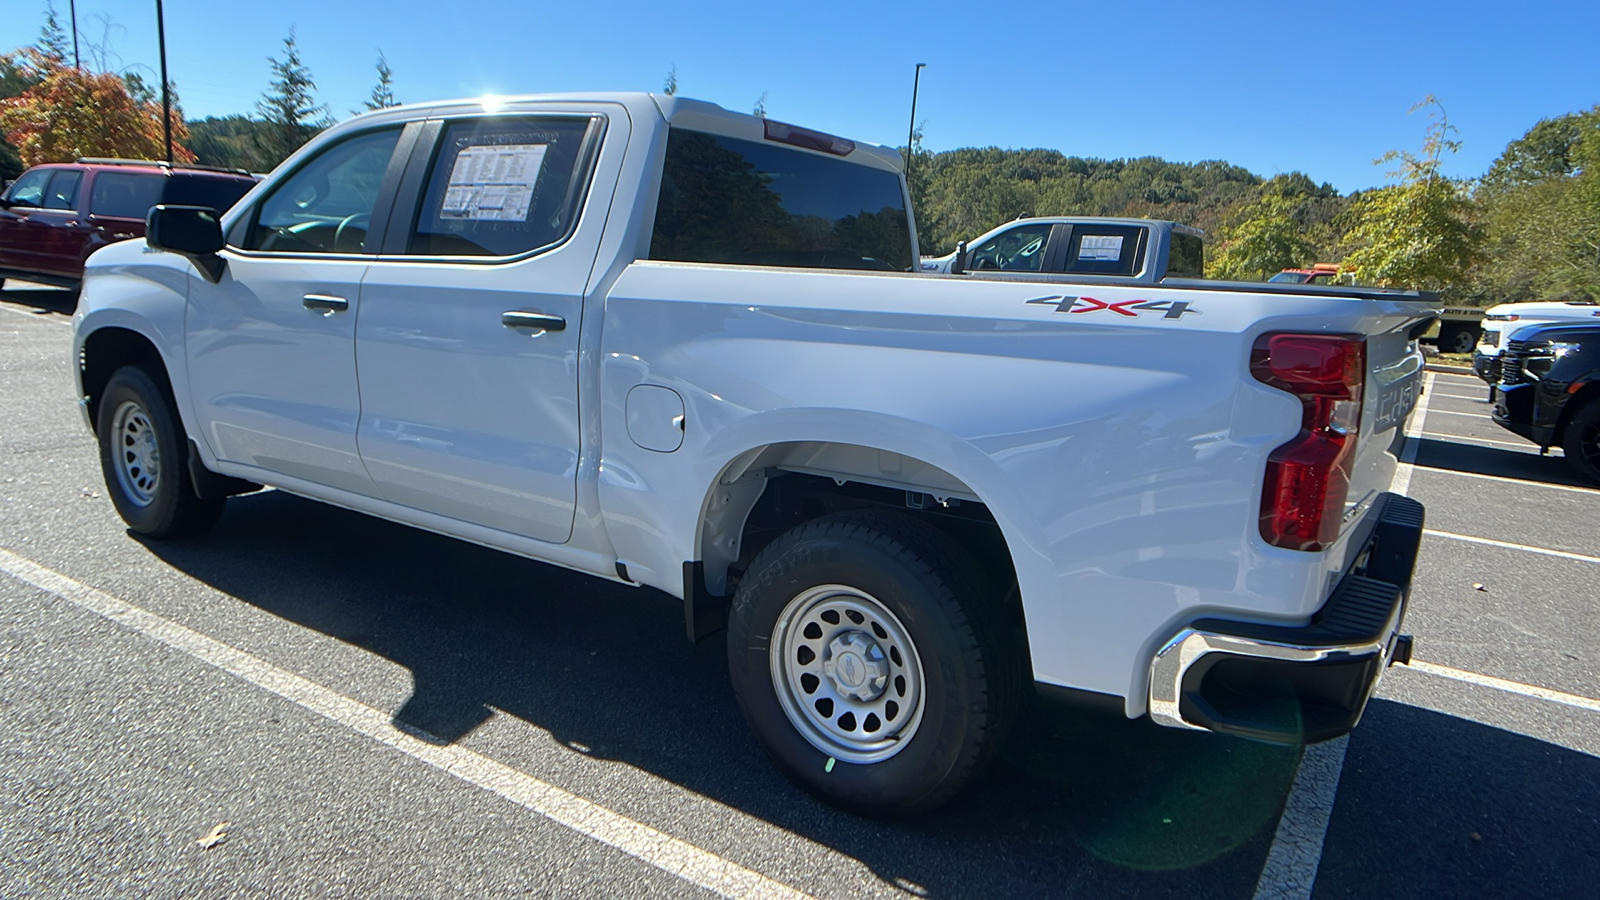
1188 256
755 203
1106 250
63 190
125 195
202 190
503 186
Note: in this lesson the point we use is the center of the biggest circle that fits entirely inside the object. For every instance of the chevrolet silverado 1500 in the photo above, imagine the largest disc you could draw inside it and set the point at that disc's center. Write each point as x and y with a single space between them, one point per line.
668 345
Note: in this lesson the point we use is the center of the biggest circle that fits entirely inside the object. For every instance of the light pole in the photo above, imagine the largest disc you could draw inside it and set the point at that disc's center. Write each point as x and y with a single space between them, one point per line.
166 93
911 135
73 7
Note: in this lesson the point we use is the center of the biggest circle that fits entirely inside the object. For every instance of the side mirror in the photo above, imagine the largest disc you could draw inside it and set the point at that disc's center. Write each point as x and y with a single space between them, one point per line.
191 231
958 266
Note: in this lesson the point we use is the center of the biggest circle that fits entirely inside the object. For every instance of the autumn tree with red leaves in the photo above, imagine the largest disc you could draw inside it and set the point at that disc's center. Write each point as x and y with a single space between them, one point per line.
70 113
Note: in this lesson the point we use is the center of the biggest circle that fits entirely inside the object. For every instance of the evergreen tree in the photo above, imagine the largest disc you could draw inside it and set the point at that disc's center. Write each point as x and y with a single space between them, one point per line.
53 39
383 92
289 107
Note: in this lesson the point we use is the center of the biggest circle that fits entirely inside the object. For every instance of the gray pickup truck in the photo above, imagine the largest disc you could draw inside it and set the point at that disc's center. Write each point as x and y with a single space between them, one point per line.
1143 251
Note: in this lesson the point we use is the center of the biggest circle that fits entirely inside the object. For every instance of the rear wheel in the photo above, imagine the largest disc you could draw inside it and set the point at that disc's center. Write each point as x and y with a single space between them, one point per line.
1457 339
143 451
1581 443
867 654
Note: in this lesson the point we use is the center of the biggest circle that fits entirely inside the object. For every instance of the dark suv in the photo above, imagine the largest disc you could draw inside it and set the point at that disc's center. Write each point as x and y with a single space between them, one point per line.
53 216
1549 391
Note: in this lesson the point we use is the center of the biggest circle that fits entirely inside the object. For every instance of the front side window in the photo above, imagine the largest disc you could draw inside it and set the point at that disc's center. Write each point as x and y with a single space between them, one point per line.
326 205
29 189
760 203
503 186
63 192
1019 249
125 195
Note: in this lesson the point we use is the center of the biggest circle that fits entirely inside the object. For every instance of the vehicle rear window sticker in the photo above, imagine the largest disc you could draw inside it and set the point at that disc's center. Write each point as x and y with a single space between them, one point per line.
493 183
1101 246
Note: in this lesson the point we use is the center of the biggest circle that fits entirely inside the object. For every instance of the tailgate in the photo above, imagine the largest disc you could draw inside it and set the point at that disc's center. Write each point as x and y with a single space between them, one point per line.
1393 386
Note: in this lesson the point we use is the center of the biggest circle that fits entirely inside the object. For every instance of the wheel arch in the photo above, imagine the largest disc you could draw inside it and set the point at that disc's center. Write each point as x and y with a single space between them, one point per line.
1588 394
104 351
759 492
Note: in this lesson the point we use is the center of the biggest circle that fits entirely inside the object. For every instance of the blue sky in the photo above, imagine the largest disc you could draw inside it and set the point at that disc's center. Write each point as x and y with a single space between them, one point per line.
1318 87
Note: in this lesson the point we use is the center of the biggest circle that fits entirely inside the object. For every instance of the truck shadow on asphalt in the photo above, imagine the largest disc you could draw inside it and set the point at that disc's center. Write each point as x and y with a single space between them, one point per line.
45 301
1433 453
1079 805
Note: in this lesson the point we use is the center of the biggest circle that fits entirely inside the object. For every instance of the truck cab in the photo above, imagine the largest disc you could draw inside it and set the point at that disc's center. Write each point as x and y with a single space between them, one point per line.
1143 251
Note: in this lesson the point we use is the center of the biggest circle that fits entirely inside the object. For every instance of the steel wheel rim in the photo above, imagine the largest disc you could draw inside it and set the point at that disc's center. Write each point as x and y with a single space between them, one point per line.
847 674
136 455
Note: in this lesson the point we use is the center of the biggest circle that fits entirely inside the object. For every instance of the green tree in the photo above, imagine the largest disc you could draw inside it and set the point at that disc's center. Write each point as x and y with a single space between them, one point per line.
383 92
1261 239
53 39
1422 232
670 87
1541 203
289 107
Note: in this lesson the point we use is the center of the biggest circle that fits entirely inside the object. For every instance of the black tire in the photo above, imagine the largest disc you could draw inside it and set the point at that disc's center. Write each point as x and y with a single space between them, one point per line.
1581 442
950 618
143 456
1457 339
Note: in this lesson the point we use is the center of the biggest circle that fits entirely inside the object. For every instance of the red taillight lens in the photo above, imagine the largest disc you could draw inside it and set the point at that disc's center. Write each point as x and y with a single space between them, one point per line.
1308 478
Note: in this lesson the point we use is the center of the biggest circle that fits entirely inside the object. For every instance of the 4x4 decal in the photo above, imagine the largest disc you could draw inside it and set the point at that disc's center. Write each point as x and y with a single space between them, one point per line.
1174 309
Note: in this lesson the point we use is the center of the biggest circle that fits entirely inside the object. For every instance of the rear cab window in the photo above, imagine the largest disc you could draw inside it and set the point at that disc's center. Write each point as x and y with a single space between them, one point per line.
1188 256
762 203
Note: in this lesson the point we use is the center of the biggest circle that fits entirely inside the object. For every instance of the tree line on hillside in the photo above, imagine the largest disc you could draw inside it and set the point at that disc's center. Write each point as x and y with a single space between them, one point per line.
1528 228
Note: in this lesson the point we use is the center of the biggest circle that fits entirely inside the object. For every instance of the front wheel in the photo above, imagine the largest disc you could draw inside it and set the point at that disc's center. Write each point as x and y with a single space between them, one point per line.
1581 443
866 652
142 454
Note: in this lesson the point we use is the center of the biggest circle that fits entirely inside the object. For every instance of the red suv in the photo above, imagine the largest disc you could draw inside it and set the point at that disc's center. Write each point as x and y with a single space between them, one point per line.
53 216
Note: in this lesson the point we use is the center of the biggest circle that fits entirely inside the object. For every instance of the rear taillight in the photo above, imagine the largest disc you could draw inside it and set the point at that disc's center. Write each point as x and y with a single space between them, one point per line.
1308 478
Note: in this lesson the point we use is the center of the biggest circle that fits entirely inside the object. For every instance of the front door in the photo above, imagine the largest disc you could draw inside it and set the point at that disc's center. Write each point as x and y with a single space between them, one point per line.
271 347
467 342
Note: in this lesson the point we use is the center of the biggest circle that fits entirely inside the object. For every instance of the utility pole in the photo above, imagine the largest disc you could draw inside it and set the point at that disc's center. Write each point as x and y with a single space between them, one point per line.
166 93
911 135
73 6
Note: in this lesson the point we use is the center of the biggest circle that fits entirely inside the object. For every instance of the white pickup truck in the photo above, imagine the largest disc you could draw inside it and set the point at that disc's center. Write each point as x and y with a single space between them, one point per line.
668 345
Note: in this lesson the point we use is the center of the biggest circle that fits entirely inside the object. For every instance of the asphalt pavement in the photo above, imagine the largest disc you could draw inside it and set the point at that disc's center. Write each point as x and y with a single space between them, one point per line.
376 711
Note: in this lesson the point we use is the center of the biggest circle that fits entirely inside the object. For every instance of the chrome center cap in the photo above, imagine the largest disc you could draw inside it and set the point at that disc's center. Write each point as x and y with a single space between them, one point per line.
856 666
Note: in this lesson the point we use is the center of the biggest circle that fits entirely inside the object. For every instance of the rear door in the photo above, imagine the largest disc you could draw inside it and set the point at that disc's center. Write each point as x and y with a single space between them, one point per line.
119 203
467 341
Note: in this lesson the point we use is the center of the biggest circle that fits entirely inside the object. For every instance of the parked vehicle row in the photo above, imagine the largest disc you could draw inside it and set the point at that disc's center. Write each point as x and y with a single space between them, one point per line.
1549 390
53 216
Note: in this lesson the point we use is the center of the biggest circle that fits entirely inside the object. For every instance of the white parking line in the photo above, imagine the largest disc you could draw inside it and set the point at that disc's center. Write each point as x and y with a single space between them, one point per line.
1510 546
1477 399
1290 871
1475 415
1512 687
1525 482
1292 861
1467 439
694 865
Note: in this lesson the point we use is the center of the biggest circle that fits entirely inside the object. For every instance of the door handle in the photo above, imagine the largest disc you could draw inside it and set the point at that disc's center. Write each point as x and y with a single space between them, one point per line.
327 304
518 318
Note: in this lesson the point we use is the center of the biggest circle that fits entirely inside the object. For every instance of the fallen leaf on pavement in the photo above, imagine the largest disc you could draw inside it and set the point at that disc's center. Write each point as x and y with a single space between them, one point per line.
216 836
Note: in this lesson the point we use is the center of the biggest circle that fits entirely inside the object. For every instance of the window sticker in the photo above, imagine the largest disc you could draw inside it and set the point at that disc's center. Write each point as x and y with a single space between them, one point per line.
1101 247
493 183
